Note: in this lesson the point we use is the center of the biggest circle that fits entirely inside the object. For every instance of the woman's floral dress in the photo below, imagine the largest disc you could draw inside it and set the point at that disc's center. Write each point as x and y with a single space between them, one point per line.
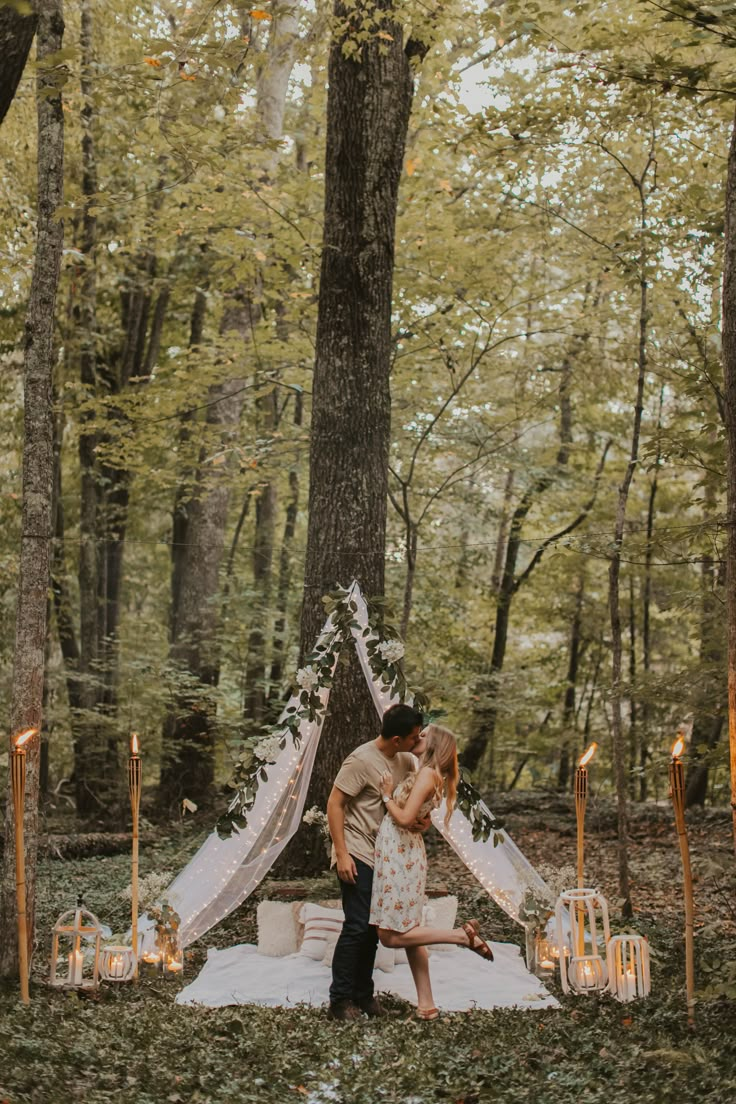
400 869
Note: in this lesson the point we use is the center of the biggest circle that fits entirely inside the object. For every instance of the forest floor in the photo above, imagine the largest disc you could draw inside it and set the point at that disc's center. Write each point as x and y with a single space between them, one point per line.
131 1044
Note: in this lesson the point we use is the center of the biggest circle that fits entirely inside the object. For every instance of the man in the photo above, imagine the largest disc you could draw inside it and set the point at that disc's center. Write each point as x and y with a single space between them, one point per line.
354 812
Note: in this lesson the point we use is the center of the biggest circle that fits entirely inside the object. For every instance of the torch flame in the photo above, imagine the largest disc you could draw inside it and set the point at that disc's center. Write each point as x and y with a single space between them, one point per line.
678 747
585 759
23 737
134 746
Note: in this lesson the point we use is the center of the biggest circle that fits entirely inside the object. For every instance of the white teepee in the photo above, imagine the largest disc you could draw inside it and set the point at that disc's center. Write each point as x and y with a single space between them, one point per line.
225 871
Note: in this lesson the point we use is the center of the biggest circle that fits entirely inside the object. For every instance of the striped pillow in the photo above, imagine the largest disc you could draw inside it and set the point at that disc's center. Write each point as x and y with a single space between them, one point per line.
318 923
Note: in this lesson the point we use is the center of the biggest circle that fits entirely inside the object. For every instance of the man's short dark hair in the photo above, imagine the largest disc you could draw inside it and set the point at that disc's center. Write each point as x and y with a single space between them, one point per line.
400 720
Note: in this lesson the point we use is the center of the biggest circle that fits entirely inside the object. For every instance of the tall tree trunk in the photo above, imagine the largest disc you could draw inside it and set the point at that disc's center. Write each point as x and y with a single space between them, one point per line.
16 36
614 571
256 689
89 753
568 707
368 108
729 389
646 642
634 749
503 532
285 570
38 464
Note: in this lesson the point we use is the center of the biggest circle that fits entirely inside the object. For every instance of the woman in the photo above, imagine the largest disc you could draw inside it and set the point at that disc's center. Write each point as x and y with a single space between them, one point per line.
400 871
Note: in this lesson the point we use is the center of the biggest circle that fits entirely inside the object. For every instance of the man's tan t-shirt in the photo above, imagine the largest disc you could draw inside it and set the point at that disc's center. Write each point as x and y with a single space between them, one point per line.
360 777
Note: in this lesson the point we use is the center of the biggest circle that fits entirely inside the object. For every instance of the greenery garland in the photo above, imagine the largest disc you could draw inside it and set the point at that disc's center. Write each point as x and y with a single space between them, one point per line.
385 652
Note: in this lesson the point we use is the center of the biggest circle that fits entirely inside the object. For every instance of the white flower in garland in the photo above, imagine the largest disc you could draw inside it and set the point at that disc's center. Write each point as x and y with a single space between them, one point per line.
307 678
268 749
315 815
391 650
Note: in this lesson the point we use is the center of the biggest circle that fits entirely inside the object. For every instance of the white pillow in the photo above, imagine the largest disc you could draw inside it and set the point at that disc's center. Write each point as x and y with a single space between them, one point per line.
384 955
440 912
278 933
318 923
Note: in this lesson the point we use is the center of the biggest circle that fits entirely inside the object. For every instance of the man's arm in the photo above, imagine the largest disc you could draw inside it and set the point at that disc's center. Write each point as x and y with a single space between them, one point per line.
336 803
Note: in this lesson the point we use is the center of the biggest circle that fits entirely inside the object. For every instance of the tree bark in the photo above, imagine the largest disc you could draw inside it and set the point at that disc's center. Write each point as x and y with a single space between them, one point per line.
729 393
38 464
568 708
614 571
16 36
368 108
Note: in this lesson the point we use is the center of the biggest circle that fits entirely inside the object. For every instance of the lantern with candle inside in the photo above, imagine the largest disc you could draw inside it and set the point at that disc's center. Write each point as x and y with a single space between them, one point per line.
628 967
586 913
117 963
76 945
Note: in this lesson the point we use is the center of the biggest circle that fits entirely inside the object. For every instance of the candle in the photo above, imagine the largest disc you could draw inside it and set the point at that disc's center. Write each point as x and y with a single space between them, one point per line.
76 965
629 985
172 966
547 964
116 968
134 787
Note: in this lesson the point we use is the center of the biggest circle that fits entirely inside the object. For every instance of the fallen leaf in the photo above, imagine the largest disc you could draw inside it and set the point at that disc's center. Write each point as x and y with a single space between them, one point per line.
257 13
153 61
386 35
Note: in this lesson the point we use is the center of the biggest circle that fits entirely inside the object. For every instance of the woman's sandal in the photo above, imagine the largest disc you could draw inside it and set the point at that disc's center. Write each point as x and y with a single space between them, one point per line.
476 942
428 1013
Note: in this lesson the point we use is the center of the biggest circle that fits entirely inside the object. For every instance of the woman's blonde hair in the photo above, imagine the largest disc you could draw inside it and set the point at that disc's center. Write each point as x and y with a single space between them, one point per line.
441 755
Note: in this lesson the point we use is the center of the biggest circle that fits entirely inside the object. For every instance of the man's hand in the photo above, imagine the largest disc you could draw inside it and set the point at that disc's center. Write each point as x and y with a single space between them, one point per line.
347 871
421 824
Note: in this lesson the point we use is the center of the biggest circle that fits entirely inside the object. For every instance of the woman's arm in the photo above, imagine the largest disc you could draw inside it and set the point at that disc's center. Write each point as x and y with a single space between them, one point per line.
422 788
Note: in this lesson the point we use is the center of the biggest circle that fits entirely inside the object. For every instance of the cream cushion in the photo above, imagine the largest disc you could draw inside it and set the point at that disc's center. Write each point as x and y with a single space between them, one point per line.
279 931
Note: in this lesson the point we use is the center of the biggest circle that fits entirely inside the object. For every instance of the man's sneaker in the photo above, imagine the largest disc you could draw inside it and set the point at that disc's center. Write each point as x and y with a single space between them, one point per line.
344 1010
372 1008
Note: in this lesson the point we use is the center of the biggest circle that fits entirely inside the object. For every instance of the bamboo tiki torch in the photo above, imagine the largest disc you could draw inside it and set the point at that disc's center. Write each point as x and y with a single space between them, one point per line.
581 801
677 793
18 773
134 786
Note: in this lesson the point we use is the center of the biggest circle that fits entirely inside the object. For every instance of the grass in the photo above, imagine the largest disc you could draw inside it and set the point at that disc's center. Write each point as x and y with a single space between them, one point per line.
132 1045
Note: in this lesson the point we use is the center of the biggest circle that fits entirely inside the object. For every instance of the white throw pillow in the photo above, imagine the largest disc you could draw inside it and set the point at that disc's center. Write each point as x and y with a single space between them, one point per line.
441 912
278 933
319 923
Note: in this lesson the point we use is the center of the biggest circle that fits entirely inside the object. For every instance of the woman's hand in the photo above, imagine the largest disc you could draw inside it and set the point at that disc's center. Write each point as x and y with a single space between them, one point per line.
387 784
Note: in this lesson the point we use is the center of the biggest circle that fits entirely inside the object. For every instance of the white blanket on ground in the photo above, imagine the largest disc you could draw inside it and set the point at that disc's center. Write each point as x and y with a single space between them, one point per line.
460 980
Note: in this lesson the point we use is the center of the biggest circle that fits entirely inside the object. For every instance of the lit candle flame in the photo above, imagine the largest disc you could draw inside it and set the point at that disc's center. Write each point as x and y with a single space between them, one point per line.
585 759
678 747
134 746
24 737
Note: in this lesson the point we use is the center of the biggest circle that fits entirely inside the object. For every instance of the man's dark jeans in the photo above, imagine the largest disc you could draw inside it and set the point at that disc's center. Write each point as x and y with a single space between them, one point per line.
355 952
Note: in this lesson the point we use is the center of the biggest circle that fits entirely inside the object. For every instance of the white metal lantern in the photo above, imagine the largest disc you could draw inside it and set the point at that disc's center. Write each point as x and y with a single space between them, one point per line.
628 967
117 963
76 938
584 970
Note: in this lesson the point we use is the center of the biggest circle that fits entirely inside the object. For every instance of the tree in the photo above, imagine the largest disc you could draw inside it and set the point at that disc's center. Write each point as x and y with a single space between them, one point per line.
368 106
38 466
17 27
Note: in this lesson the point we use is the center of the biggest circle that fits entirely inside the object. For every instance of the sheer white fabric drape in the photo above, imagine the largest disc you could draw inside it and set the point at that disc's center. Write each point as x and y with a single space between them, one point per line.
225 871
